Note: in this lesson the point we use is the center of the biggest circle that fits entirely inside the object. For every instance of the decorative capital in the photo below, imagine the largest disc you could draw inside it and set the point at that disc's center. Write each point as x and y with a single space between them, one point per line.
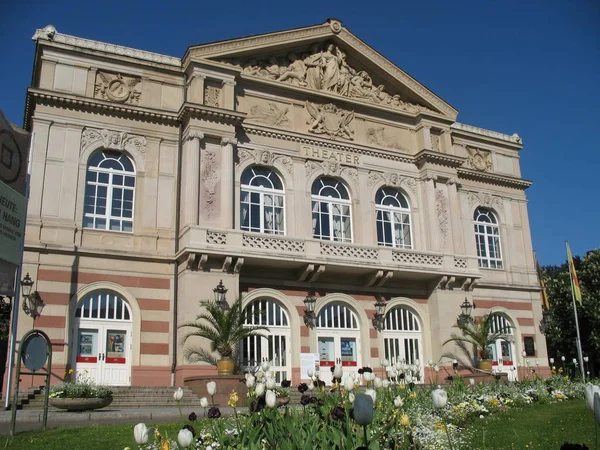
195 135
228 141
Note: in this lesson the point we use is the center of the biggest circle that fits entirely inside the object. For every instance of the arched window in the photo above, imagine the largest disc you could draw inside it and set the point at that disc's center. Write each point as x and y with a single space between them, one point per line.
103 305
337 315
273 346
402 336
487 239
262 201
393 218
331 216
502 350
109 192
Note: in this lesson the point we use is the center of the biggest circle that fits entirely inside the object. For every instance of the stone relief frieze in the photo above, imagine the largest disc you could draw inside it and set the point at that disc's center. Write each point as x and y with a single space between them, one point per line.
266 158
378 136
435 141
324 68
117 88
113 140
479 159
489 200
210 180
212 95
441 207
330 168
271 115
392 179
330 120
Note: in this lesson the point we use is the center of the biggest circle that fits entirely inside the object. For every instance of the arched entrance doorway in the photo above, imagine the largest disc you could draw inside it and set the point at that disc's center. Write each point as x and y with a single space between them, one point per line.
102 335
403 338
503 350
338 340
273 346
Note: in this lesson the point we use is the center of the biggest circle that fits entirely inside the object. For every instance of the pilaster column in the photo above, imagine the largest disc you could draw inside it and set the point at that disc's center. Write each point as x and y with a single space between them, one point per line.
227 181
456 215
191 185
432 223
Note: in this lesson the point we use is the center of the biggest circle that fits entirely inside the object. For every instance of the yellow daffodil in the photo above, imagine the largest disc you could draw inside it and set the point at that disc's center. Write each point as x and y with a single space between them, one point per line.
165 445
413 395
404 420
402 387
233 399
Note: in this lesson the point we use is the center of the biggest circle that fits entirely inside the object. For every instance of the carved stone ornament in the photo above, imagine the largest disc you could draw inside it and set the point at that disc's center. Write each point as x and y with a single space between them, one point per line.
271 115
113 140
330 168
210 180
377 136
392 179
435 141
479 159
266 158
441 208
117 88
330 120
212 95
324 68
489 200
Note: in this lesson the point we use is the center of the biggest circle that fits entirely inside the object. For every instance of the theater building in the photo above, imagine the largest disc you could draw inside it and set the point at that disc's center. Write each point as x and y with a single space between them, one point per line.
290 164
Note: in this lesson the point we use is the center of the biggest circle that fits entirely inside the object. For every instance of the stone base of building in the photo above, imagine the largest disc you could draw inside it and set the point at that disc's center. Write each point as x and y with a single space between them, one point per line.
225 385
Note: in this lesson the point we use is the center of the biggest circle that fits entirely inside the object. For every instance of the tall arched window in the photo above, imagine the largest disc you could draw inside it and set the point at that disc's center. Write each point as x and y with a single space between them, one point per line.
402 336
109 192
393 218
487 239
331 216
502 350
262 201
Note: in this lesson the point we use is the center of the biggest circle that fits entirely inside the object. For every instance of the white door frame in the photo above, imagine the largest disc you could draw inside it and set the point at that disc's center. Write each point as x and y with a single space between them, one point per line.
352 362
504 363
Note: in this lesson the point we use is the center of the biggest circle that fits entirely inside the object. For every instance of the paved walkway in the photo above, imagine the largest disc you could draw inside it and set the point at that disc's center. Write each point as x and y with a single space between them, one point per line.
32 419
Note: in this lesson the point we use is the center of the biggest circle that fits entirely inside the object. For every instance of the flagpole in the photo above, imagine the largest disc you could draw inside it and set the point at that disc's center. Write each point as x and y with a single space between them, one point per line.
579 352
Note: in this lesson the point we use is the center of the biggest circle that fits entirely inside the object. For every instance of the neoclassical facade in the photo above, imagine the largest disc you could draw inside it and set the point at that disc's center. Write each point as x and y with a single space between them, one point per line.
288 164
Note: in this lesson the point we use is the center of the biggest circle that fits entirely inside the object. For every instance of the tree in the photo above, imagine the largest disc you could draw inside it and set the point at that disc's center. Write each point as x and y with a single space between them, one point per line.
561 333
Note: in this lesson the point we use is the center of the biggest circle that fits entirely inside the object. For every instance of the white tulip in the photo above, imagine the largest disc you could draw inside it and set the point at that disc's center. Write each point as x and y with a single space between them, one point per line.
393 373
385 362
310 373
574 361
259 390
562 358
551 360
351 397
185 437
178 394
372 393
265 366
355 376
378 382
471 381
311 386
211 387
408 378
349 383
140 433
386 384
204 402
553 367
398 402
586 359
436 368
271 383
368 376
250 381
588 394
337 371
271 399
439 398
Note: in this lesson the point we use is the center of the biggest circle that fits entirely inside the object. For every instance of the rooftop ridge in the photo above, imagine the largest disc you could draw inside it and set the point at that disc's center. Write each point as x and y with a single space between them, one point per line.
483 132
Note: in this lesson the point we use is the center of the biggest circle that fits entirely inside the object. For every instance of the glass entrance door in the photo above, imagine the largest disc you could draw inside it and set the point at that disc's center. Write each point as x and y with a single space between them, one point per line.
502 357
337 349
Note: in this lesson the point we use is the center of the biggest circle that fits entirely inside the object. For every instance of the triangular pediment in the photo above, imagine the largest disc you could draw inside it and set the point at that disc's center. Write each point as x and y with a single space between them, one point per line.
328 59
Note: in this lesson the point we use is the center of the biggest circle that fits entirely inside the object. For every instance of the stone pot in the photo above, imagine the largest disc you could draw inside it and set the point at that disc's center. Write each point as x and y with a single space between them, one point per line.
485 364
225 366
80 404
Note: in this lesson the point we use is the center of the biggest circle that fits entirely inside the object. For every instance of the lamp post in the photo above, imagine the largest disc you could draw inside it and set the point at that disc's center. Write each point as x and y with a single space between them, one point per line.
32 303
379 317
310 319
220 294
464 317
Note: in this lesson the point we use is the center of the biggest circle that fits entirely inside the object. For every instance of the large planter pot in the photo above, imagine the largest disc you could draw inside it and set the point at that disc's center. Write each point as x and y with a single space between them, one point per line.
80 404
225 366
485 364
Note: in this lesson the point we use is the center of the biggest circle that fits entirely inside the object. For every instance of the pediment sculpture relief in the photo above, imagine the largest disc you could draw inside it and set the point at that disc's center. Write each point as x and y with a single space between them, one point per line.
392 179
117 88
330 120
266 158
324 69
484 199
271 115
479 159
378 136
113 140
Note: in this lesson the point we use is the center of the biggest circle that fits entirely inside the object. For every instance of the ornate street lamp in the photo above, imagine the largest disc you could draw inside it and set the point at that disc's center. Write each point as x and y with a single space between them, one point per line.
32 303
310 319
464 317
220 294
379 317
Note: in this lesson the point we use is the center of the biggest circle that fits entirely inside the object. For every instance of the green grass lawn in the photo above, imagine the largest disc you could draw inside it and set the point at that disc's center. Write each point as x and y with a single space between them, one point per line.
536 427
533 427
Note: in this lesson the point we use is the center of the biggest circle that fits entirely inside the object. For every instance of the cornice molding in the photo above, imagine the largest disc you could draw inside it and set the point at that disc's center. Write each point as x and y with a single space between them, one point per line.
41 96
49 33
514 139
490 178
440 159
212 113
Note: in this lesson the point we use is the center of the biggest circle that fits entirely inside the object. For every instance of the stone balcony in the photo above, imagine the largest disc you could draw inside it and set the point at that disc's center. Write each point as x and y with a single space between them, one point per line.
281 251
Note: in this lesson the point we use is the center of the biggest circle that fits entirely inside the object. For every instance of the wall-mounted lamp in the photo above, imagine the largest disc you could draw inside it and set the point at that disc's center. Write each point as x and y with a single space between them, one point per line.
32 302
464 317
220 294
310 319
379 317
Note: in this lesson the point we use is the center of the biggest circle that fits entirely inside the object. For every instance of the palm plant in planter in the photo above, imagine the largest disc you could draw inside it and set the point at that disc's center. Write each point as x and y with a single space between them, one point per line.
224 328
478 335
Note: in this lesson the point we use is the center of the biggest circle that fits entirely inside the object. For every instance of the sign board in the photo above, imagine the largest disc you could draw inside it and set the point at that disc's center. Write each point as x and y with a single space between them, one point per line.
14 154
34 352
308 361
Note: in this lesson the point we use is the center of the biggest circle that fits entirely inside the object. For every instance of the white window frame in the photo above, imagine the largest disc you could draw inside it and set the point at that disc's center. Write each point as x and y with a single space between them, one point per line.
262 191
392 211
489 232
331 202
402 324
108 217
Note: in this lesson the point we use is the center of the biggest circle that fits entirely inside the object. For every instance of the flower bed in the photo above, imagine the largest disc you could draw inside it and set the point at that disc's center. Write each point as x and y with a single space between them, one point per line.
82 387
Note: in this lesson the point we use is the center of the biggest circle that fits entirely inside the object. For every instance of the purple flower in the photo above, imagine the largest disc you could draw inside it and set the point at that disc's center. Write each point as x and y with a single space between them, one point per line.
338 413
192 417
286 383
214 413
305 400
302 388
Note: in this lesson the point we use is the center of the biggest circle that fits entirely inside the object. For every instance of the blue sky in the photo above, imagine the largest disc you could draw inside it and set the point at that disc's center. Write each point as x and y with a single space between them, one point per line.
525 66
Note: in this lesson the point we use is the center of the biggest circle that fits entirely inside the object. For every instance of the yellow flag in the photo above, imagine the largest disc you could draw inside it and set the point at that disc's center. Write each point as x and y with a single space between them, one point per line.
574 280
543 293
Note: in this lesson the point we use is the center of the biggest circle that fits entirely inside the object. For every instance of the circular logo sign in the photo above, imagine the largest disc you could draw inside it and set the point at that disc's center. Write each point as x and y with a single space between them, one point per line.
10 157
34 352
